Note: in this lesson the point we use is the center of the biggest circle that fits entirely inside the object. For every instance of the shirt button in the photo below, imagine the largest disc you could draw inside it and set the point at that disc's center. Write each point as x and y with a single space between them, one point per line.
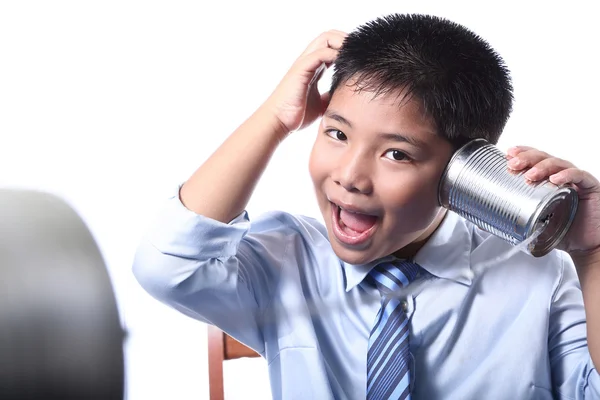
404 305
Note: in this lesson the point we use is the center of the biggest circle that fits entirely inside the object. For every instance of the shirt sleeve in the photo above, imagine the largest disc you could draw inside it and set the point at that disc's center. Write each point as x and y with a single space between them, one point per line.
218 273
573 373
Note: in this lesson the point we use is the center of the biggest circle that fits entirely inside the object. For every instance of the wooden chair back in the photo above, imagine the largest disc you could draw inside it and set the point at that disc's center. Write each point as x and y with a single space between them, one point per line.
222 347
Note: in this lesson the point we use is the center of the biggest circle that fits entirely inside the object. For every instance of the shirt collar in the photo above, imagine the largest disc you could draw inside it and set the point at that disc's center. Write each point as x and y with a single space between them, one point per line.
446 254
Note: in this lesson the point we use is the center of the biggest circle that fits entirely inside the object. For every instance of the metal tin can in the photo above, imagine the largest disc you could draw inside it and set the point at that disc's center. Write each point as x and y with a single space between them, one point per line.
478 185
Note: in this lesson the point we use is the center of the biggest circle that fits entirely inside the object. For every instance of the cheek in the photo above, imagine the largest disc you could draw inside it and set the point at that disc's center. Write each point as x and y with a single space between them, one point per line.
313 165
319 162
414 202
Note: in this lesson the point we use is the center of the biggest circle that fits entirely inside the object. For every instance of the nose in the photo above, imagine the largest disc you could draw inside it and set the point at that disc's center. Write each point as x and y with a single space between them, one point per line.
353 174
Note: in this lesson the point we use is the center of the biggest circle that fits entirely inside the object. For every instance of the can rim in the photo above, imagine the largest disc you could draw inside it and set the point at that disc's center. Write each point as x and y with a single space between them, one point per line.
540 249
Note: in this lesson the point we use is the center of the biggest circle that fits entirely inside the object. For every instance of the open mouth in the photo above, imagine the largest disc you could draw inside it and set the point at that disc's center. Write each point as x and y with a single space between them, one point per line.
351 226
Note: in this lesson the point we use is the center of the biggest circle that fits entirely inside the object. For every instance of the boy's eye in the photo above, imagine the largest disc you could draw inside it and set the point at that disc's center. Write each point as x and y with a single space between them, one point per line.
339 135
396 155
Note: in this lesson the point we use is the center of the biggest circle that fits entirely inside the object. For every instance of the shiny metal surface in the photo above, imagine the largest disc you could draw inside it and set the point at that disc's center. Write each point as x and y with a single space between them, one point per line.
478 185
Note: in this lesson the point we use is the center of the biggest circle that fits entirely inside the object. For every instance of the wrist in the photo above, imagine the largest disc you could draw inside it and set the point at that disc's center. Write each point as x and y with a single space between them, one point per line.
268 117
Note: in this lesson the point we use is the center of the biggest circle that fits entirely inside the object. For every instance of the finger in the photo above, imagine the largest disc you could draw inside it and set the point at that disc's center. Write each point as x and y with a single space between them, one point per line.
547 167
527 158
318 74
515 150
315 60
316 108
325 99
335 39
338 32
331 39
582 179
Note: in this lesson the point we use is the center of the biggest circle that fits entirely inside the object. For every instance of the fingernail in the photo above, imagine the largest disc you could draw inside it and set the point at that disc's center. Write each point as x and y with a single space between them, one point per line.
514 162
557 179
532 172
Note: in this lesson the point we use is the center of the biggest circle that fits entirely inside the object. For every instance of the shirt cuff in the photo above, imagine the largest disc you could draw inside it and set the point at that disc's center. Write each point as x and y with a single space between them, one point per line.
181 232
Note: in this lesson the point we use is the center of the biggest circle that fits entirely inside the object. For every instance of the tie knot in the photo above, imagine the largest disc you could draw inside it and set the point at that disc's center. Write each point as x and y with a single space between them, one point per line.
390 277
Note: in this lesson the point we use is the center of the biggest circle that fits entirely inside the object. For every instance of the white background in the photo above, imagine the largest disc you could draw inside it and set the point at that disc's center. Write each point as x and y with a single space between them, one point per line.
111 104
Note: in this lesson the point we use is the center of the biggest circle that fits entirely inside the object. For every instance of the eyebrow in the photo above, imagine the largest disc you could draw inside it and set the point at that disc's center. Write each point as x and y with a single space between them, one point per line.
338 118
395 137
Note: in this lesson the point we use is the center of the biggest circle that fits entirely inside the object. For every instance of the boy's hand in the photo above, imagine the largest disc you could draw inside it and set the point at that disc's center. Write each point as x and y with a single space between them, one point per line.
296 101
584 235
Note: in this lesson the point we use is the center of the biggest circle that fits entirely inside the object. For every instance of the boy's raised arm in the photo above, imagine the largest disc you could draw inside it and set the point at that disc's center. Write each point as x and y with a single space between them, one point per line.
195 257
222 186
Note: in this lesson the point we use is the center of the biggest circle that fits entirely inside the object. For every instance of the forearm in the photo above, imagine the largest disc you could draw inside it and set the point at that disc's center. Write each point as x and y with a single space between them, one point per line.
588 270
221 188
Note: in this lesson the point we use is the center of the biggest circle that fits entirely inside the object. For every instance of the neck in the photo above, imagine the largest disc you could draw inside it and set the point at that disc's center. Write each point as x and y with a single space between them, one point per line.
409 251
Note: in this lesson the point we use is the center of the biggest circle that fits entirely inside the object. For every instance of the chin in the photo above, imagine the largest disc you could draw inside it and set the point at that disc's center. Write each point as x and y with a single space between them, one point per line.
354 257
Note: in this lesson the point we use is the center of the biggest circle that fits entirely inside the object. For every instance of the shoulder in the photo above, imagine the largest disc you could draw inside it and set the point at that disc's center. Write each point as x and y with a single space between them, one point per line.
282 223
300 242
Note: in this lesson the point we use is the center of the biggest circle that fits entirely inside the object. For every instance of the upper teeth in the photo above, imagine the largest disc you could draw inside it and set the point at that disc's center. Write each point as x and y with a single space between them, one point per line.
349 211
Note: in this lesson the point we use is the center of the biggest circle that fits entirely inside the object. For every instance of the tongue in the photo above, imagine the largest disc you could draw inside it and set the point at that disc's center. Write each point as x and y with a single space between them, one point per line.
357 222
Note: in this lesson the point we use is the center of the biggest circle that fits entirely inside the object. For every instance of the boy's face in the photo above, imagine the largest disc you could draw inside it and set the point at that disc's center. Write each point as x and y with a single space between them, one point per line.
376 164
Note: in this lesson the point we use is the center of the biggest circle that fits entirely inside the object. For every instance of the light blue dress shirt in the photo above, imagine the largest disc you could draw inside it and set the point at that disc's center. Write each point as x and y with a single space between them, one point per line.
514 329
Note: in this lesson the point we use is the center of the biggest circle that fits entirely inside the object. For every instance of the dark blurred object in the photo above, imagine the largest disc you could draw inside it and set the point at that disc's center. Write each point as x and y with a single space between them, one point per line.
60 333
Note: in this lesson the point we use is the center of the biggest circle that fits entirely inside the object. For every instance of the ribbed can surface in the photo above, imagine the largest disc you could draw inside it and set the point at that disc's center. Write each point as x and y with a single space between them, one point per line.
478 186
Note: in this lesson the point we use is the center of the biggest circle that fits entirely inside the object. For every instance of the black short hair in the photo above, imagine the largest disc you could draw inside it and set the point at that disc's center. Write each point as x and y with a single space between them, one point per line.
462 82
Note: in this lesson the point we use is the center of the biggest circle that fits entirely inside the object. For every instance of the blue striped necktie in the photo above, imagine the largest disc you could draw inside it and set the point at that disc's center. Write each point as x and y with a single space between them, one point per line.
388 357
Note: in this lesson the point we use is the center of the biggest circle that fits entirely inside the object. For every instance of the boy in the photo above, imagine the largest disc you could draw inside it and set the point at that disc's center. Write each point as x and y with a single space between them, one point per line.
328 306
